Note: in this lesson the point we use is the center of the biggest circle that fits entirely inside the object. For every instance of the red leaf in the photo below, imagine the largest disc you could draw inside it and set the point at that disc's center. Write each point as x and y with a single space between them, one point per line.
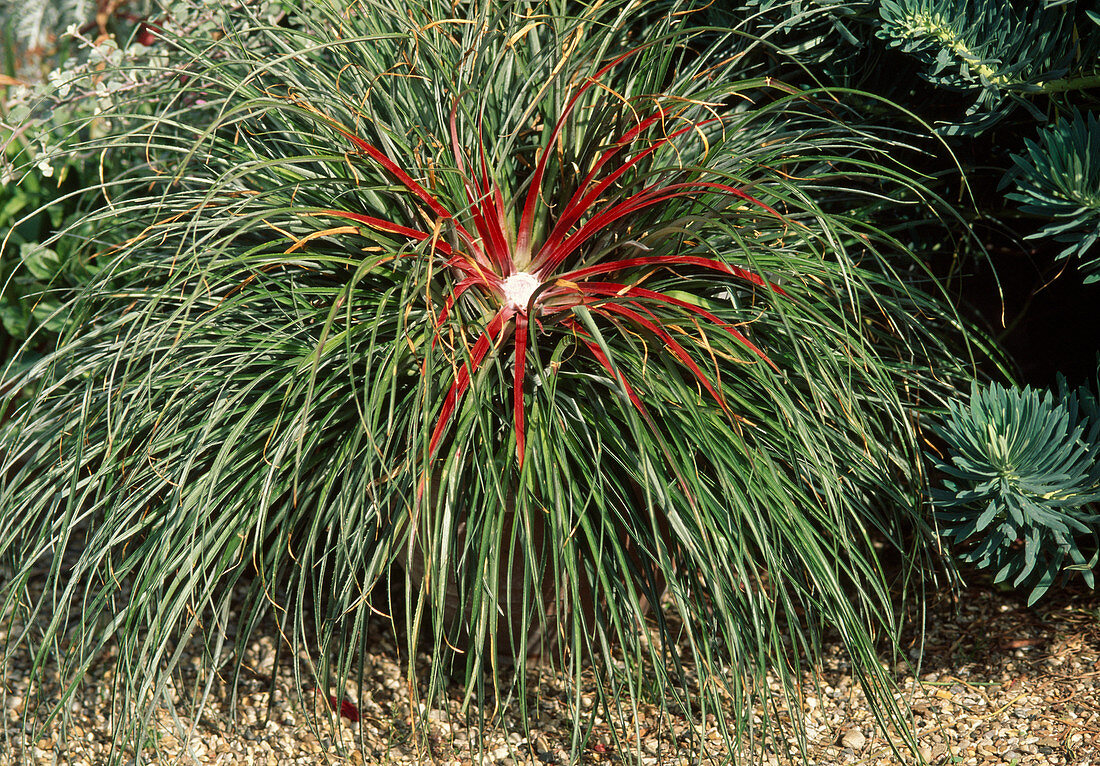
667 260
618 146
517 383
597 352
526 223
612 288
476 197
465 371
393 228
670 342
577 206
404 178
550 258
460 288
345 708
492 214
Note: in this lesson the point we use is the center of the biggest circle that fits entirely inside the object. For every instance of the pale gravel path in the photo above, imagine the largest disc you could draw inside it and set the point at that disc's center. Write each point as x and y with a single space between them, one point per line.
1000 684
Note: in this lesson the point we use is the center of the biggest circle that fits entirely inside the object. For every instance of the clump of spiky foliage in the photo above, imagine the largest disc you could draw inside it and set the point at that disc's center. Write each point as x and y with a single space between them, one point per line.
564 322
999 53
1023 468
1059 177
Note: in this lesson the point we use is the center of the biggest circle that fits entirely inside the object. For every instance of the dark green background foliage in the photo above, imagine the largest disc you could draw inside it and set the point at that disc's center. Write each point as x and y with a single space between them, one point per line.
1013 89
994 78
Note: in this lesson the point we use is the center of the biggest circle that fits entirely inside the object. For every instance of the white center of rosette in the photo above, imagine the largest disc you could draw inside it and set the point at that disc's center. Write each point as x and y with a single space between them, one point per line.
518 289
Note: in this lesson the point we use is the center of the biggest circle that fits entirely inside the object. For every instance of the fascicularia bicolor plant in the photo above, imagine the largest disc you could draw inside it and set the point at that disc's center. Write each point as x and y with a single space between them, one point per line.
580 331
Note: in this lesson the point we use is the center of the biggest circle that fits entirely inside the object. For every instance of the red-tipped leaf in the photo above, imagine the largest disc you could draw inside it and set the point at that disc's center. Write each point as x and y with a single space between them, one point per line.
465 372
550 259
579 205
608 267
617 289
382 224
526 223
677 350
598 354
517 383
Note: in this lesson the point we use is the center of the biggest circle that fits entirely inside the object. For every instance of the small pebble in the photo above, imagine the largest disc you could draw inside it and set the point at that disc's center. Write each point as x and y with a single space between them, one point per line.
854 739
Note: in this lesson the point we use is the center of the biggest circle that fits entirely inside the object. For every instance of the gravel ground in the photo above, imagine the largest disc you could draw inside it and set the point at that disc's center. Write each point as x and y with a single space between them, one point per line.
999 684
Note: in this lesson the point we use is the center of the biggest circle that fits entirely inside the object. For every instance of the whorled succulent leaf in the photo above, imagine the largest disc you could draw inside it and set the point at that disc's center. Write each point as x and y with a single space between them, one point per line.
1058 177
1021 474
